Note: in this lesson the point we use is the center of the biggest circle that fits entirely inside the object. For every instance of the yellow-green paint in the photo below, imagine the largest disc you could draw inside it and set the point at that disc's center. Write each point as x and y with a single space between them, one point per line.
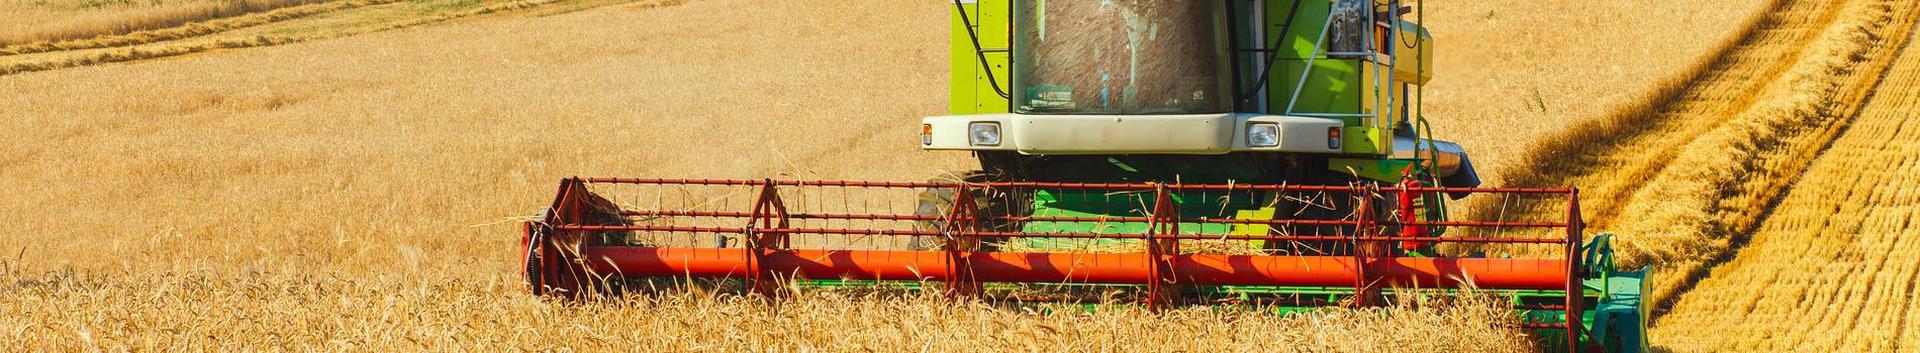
970 91
1257 214
1381 169
1366 140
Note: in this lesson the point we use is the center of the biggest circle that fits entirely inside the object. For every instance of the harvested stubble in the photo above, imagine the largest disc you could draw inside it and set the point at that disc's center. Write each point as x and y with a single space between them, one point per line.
1510 74
1831 268
1679 181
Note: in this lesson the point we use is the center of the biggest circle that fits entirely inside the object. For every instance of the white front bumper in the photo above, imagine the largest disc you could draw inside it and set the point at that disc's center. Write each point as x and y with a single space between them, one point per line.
1130 134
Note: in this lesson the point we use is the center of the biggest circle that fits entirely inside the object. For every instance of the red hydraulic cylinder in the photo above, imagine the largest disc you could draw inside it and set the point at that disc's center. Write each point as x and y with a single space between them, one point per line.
1410 215
1197 269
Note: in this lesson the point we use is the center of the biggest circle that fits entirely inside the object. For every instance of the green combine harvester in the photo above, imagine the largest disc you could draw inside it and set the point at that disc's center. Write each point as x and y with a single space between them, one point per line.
1241 152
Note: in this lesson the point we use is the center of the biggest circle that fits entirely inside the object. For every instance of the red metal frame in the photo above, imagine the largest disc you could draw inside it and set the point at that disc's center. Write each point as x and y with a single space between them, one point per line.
766 235
1104 268
560 260
959 248
1162 247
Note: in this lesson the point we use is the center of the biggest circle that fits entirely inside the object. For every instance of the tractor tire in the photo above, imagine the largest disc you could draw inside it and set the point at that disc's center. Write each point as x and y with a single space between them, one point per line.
1329 206
938 202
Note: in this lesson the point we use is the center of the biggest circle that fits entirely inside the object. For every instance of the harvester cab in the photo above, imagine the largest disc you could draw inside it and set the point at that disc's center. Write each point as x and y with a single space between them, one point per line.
1269 153
1264 91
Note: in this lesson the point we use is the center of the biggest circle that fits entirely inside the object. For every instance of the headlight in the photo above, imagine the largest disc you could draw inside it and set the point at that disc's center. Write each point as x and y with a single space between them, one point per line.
983 134
1263 135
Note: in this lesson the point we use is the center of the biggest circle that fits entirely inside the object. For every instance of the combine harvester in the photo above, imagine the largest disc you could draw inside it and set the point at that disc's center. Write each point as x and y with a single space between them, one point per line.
1173 152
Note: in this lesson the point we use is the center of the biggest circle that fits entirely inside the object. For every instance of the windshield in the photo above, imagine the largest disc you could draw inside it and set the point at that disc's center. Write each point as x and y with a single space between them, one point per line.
1120 57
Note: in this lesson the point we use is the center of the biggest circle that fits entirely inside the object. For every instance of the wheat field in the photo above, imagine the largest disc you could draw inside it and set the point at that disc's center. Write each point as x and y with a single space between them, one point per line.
348 180
1755 189
1832 268
1508 73
351 203
1682 179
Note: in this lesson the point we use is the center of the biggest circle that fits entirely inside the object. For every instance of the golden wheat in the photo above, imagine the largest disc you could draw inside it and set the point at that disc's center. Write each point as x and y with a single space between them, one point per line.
1831 269
1687 178
345 193
1692 206
1512 73
145 312
1680 183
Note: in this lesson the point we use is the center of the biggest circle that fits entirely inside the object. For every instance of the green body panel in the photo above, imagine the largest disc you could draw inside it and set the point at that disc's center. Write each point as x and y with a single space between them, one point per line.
1302 34
962 87
1333 86
1366 141
1095 204
1381 169
1078 203
971 91
1620 318
1125 169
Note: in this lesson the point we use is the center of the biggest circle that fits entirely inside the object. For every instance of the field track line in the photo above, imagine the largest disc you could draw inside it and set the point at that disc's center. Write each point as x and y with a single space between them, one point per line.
1641 147
189 30
1727 92
60 59
1832 268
